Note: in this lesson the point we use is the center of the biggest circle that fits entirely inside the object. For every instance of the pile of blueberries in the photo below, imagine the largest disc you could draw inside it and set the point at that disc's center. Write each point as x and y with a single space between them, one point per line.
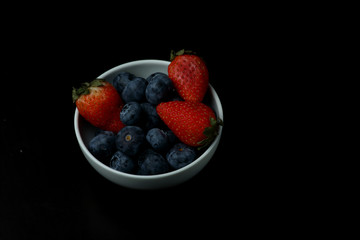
145 146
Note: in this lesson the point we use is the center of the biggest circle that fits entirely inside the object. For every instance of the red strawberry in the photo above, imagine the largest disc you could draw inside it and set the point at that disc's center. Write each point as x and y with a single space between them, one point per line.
115 124
100 104
193 123
189 75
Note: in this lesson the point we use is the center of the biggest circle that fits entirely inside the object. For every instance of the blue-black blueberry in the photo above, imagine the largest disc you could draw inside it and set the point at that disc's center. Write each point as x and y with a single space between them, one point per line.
129 140
180 155
160 87
134 91
151 162
130 113
150 118
121 80
122 162
158 139
102 146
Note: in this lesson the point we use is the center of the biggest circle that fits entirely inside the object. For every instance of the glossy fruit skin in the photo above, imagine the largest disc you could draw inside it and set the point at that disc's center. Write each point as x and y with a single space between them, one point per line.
158 139
114 124
151 163
187 120
121 80
101 106
149 116
134 91
156 75
129 139
160 87
102 146
190 77
180 155
122 162
130 114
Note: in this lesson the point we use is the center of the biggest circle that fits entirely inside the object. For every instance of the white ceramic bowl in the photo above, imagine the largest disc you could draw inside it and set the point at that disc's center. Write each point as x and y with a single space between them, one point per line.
85 131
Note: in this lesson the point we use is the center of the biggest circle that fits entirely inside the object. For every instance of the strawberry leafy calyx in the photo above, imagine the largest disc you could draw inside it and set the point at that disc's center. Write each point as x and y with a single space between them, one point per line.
174 54
84 89
210 132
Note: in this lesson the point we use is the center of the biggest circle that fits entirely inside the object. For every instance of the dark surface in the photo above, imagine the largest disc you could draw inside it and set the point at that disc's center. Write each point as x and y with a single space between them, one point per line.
48 189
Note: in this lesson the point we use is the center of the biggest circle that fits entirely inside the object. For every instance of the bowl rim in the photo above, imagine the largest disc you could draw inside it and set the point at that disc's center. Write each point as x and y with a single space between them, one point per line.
156 176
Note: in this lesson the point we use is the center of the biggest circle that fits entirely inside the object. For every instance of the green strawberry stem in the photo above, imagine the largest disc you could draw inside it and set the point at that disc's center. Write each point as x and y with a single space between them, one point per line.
84 89
173 54
211 132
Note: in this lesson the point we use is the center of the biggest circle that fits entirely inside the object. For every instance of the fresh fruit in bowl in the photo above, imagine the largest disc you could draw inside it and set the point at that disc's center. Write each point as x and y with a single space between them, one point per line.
189 74
162 135
100 104
193 123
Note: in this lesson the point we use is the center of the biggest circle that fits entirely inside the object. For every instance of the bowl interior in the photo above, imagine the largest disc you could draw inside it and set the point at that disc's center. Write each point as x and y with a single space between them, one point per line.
143 68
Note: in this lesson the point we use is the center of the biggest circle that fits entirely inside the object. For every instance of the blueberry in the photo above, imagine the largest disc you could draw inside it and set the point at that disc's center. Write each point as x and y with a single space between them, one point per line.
150 118
100 131
155 75
121 80
159 89
158 139
134 91
130 113
122 162
180 155
151 163
102 146
129 139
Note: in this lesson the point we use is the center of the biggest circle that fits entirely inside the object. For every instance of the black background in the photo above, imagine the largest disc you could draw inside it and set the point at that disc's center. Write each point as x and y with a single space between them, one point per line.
49 190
